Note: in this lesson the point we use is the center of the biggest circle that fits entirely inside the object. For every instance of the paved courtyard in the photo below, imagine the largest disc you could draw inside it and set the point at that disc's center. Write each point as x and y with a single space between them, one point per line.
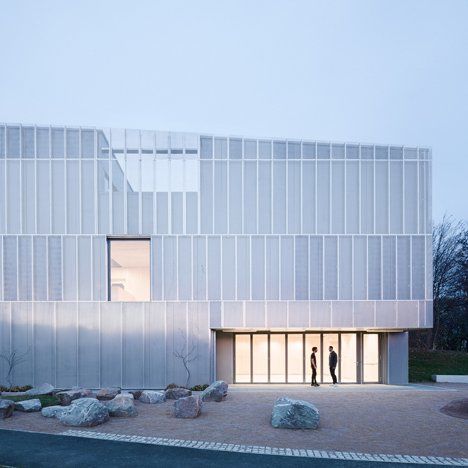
354 418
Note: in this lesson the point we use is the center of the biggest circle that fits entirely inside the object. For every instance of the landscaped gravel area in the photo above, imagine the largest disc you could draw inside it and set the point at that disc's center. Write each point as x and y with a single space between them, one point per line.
375 419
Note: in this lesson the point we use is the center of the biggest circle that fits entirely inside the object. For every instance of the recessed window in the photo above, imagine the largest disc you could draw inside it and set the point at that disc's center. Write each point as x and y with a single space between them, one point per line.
129 261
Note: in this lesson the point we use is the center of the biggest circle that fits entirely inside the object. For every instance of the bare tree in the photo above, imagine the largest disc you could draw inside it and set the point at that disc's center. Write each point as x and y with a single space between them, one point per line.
186 355
13 359
446 246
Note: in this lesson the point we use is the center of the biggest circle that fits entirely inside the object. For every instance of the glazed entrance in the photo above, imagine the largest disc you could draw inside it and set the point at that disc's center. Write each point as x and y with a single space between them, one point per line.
285 357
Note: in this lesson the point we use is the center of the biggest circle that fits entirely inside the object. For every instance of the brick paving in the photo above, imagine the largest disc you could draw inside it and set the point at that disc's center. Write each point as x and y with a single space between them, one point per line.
355 419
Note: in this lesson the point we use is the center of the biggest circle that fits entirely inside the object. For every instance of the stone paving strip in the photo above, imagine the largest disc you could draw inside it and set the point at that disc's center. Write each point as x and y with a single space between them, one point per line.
372 457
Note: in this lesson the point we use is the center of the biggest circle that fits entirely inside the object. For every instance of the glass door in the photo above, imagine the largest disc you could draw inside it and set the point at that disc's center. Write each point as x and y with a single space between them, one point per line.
370 353
242 359
329 339
348 370
260 358
295 358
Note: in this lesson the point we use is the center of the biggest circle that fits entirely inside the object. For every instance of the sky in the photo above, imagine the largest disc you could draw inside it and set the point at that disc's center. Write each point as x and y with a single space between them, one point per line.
380 71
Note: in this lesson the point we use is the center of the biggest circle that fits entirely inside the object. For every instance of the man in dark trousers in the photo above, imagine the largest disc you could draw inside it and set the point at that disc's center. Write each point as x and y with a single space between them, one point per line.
313 364
332 362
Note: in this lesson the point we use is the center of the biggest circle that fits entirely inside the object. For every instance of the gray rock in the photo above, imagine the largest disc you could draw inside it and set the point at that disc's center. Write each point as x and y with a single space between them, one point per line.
84 412
43 389
68 396
28 406
107 393
217 391
294 414
6 408
128 394
52 411
187 407
121 407
176 393
150 396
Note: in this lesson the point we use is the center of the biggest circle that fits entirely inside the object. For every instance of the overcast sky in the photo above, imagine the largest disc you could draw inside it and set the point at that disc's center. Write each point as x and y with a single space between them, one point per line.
353 70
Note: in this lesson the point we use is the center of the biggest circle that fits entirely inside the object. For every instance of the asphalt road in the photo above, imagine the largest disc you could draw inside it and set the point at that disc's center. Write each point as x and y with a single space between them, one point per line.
27 449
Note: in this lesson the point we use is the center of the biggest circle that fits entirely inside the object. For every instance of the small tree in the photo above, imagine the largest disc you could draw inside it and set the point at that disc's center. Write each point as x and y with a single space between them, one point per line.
186 356
13 359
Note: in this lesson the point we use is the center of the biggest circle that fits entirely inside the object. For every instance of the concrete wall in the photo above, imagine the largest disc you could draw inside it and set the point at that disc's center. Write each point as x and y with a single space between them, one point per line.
96 344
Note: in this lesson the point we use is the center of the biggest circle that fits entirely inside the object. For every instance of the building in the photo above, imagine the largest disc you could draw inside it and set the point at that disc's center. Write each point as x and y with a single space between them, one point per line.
122 248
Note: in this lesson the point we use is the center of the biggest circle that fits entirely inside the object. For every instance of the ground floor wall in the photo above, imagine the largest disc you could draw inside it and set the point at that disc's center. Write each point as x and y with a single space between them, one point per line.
140 344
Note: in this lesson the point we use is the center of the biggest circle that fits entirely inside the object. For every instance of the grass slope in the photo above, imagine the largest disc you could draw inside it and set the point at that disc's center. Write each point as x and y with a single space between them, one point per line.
423 364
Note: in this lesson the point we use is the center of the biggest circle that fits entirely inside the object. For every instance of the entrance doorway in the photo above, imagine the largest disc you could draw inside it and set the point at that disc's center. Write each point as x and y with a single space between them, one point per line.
285 357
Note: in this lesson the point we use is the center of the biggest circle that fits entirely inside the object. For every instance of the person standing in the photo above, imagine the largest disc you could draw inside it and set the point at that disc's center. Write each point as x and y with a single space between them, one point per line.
332 362
313 364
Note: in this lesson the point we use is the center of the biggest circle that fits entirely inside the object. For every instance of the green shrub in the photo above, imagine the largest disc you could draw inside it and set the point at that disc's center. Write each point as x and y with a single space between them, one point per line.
199 388
15 389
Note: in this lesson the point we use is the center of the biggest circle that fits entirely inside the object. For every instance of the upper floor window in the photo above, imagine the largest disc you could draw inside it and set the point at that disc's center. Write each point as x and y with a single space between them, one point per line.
129 265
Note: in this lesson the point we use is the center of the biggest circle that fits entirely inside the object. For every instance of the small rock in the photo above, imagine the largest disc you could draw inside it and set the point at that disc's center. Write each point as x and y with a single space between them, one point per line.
28 406
128 395
121 407
6 408
107 393
217 391
294 414
176 393
43 389
187 407
150 396
52 411
84 412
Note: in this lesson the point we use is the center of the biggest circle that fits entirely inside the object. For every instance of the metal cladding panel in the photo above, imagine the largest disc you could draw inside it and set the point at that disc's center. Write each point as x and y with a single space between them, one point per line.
133 345
277 314
21 340
299 314
385 314
43 325
407 314
177 344
88 344
233 314
255 314
342 314
111 344
216 315
155 345
66 347
364 313
199 342
320 314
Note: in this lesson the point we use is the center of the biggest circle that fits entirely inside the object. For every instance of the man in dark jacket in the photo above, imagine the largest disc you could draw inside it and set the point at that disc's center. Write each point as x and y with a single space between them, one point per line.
313 364
332 362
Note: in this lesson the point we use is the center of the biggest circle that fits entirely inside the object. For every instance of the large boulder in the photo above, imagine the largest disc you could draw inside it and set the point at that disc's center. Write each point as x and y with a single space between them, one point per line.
84 412
177 392
65 398
217 391
294 414
187 407
107 393
6 408
52 411
28 406
136 393
151 396
121 407
43 389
